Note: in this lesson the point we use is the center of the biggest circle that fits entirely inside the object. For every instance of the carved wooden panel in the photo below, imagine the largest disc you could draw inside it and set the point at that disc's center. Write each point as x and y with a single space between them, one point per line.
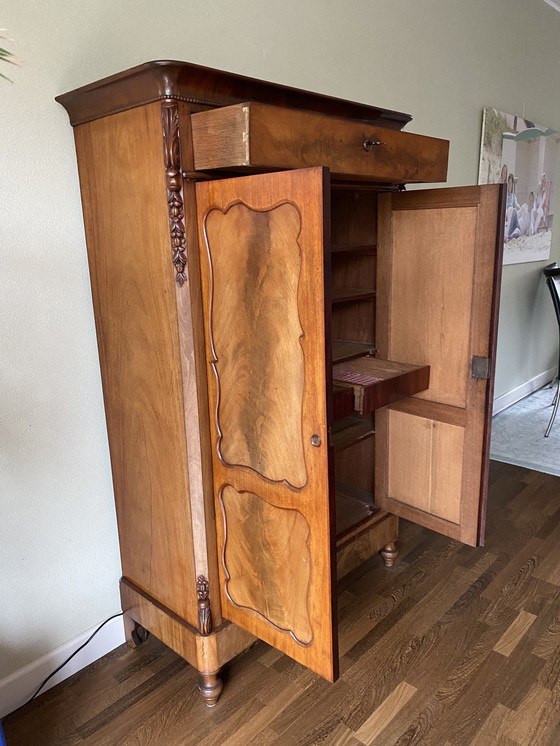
257 529
268 348
255 333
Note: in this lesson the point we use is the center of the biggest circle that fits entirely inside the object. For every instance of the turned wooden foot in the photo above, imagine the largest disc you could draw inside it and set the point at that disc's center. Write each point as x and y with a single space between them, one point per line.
390 553
210 687
134 632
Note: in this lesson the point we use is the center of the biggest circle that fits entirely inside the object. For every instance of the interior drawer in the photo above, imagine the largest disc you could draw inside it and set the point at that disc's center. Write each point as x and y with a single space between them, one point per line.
255 136
376 382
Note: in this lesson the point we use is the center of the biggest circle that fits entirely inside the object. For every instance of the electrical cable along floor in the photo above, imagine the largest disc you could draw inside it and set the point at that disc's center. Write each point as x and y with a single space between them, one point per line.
453 646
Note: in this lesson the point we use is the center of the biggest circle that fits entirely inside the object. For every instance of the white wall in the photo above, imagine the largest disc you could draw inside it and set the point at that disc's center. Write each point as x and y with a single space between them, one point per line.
441 60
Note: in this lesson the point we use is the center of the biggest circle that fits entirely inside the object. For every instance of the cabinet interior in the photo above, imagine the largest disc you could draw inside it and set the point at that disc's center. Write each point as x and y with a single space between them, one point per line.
353 278
362 382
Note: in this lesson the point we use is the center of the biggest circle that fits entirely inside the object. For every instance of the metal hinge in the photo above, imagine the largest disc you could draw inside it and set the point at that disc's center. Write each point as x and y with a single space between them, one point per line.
480 367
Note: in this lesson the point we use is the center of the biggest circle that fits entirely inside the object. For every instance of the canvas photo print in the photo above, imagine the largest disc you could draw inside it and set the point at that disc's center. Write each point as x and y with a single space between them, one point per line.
524 156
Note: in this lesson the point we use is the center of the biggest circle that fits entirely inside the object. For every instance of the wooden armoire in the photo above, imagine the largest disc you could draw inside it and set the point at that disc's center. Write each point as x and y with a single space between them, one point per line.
295 351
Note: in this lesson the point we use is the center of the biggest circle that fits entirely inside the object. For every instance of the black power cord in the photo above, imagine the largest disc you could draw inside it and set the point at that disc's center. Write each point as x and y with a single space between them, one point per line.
69 658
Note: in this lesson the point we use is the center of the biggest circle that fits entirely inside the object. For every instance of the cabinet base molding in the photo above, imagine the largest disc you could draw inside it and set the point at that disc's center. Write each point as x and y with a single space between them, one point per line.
207 653
352 551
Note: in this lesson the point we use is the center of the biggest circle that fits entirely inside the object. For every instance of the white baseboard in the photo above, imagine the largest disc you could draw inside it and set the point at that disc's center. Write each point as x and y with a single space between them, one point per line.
515 395
19 686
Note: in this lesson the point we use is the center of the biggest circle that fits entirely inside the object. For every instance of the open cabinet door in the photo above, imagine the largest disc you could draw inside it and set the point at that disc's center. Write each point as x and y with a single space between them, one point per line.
262 242
439 266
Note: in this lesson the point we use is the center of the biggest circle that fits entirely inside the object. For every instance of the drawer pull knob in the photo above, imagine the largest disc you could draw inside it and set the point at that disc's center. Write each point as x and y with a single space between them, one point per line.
369 144
316 441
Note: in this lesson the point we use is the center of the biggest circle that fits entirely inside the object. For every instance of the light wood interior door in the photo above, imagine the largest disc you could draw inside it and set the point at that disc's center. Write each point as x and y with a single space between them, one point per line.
439 264
262 242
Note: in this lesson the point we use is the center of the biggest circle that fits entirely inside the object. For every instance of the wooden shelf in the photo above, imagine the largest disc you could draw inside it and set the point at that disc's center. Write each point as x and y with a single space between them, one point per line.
343 295
354 506
377 383
367 249
348 431
344 349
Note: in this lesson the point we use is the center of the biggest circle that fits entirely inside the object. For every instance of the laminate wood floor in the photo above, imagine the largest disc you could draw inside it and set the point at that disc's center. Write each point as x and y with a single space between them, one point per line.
454 646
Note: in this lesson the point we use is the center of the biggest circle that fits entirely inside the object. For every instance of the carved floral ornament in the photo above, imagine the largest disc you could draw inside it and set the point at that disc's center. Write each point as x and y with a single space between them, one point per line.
174 185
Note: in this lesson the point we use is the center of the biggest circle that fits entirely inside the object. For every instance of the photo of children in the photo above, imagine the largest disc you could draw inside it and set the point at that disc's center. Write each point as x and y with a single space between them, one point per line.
525 157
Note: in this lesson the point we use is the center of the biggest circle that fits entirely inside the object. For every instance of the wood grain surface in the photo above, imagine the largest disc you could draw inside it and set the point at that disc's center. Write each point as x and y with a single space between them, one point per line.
278 592
254 326
205 652
257 136
426 628
431 480
351 430
183 81
133 286
353 263
438 279
377 383
195 396
355 321
267 347
433 263
343 349
353 217
356 464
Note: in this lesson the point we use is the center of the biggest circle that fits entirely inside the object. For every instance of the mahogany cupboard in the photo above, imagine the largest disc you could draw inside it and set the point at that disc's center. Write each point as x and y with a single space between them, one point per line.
294 350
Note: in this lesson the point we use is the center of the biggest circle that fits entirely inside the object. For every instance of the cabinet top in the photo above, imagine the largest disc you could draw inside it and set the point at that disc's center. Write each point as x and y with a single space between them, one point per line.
206 87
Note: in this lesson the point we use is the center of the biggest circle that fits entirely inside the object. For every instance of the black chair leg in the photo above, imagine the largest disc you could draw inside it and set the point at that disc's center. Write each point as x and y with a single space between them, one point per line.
555 403
552 274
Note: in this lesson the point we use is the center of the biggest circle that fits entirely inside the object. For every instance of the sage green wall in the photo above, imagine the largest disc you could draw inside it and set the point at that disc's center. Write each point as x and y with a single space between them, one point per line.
441 60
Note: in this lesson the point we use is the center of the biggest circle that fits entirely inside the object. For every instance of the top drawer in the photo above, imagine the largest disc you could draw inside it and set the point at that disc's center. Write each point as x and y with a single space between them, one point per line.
256 136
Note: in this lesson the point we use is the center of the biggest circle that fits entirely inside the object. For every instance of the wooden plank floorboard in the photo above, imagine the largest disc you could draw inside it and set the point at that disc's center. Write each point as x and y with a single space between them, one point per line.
549 641
454 646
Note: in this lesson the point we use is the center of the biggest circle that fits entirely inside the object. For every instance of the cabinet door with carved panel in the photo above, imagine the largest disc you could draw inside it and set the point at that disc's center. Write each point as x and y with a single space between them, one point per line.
263 249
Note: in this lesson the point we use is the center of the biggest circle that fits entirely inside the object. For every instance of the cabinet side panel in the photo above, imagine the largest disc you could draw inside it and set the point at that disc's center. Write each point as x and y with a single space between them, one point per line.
133 285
